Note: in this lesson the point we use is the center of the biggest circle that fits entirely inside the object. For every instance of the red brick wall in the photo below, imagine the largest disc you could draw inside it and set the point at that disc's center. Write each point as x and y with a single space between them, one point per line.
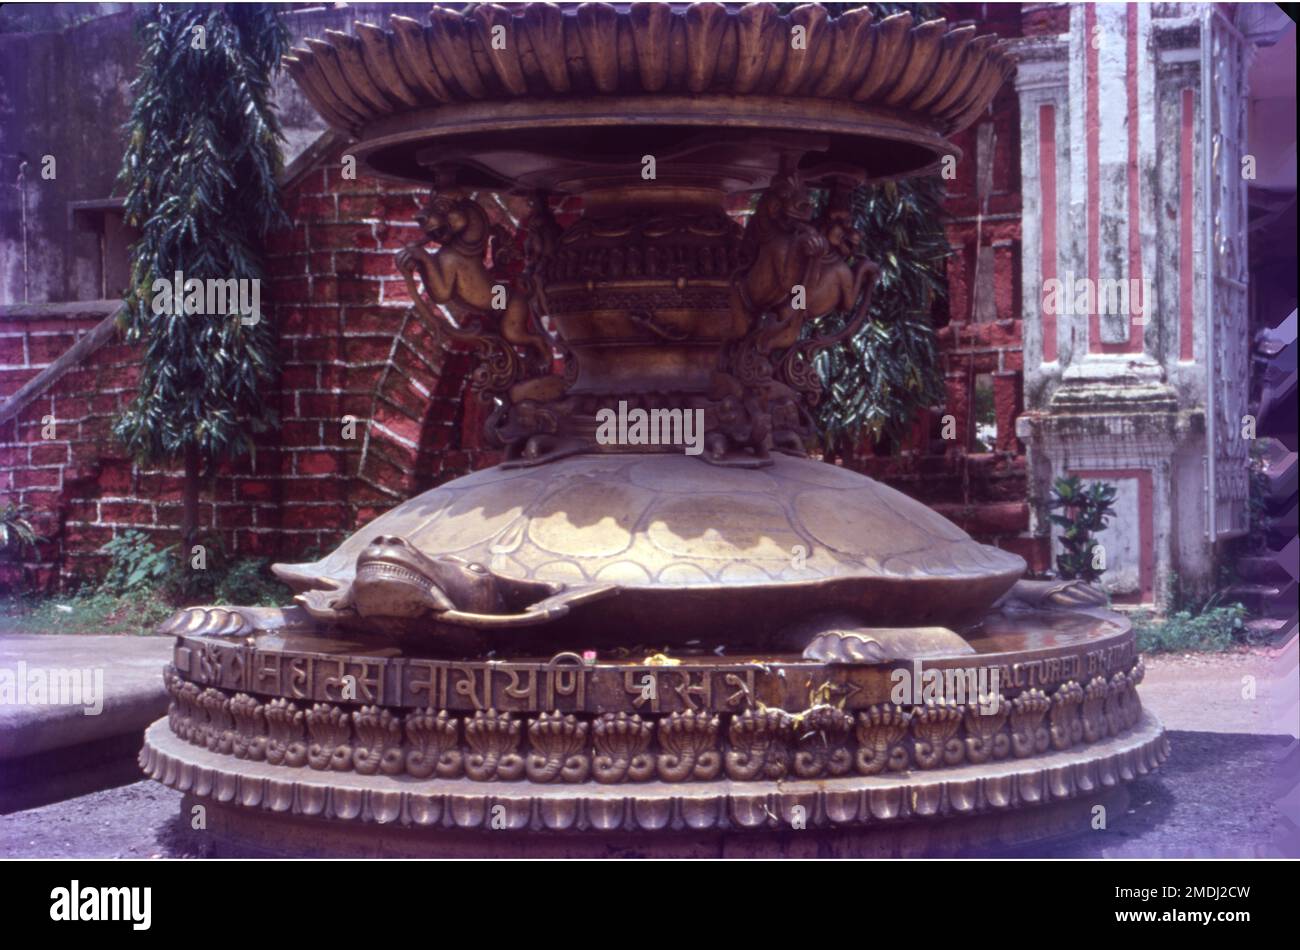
49 474
349 347
353 347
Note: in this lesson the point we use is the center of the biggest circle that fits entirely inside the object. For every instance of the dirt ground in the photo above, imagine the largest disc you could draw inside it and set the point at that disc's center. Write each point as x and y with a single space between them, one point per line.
1217 796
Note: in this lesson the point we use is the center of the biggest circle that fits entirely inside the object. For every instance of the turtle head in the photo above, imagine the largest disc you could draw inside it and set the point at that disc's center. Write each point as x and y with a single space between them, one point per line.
394 579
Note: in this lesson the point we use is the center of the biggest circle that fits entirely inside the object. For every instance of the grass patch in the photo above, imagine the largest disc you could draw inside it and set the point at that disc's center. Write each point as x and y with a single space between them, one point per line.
85 612
142 587
1212 630
250 583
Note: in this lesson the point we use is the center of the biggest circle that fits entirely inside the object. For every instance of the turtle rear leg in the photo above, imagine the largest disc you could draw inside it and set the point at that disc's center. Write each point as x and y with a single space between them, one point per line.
840 638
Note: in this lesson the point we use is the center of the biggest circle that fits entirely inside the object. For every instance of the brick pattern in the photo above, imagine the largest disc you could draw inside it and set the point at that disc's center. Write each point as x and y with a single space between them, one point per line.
1047 19
989 498
60 443
350 347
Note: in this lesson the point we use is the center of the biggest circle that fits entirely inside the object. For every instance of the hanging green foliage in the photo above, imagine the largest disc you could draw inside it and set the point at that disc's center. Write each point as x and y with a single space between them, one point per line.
875 382
17 533
200 172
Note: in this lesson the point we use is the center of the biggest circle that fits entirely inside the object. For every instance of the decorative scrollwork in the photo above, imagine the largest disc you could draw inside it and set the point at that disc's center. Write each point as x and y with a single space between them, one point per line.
493 739
935 727
1067 721
880 732
760 744
559 749
1028 733
690 747
822 743
250 727
284 744
621 742
330 738
378 745
985 738
433 744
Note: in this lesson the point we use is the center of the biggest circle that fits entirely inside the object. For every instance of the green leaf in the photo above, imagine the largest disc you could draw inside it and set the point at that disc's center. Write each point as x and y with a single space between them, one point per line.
196 176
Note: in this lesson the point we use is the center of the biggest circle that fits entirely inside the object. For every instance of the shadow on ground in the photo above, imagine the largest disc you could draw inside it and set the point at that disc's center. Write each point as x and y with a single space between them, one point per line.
1214 797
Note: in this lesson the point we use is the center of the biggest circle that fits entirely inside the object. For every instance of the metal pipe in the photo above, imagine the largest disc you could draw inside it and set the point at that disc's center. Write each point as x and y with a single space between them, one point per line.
22 202
1207 275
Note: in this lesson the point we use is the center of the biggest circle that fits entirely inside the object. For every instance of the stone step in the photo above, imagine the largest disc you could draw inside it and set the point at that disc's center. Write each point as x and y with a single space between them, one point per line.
73 710
1264 600
1269 630
1271 567
1283 525
1282 472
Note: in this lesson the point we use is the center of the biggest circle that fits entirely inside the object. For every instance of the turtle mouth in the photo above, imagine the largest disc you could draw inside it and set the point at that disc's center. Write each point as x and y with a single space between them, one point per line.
391 580
390 572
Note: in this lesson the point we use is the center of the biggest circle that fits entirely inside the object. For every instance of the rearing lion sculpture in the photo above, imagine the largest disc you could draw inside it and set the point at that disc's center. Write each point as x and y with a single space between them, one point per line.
455 274
800 270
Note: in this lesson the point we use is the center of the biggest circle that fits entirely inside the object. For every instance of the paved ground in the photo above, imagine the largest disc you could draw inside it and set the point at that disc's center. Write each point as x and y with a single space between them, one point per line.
134 821
1256 692
1216 796
119 689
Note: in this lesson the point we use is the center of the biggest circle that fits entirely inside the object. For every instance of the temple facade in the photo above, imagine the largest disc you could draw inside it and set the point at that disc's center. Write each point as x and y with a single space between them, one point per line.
1136 284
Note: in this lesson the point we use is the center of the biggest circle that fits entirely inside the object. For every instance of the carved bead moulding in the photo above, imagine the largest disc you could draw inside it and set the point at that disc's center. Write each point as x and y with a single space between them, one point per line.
516 69
574 719
655 804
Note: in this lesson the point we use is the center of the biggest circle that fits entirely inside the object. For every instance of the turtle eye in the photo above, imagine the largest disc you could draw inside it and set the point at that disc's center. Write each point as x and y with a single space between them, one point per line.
478 568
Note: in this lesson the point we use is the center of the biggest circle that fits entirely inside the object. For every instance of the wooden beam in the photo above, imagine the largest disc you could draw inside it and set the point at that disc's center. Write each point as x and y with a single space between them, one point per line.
89 342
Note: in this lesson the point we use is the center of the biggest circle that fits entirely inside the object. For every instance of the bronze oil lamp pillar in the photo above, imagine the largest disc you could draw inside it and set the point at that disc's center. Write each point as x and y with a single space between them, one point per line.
742 639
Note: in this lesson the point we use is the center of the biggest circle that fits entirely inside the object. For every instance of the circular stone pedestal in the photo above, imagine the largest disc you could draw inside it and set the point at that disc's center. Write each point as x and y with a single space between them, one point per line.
261 810
298 744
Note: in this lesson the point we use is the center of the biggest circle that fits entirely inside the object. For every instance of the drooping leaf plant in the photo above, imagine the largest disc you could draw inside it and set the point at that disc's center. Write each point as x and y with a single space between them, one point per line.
1083 512
874 383
200 172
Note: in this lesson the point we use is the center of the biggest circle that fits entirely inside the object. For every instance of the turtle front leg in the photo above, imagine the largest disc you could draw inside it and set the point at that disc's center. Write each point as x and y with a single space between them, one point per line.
332 604
544 611
1055 594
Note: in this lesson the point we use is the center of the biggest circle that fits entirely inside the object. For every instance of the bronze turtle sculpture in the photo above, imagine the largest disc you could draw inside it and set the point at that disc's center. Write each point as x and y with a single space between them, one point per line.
657 549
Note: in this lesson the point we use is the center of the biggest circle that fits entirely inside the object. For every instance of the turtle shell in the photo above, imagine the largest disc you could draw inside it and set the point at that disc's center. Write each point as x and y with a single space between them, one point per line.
699 547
